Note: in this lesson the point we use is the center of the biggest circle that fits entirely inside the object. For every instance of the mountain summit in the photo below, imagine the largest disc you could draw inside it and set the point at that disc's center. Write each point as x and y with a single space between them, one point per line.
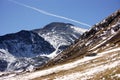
60 35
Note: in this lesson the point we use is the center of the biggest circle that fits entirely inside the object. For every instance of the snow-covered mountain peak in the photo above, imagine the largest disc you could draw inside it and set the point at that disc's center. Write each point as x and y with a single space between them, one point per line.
60 34
57 26
60 27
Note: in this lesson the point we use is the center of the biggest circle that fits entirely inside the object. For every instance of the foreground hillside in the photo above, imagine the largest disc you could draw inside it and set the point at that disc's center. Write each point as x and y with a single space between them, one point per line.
104 66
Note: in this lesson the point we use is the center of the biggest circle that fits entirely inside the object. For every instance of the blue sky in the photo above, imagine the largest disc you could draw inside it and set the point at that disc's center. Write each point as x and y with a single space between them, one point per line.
14 17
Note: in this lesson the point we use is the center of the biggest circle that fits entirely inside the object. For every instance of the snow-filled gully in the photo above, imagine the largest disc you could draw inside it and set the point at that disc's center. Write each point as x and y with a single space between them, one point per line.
68 66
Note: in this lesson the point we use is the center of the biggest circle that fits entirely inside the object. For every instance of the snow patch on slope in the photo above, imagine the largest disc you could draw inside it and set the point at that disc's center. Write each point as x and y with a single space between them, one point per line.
79 30
5 55
53 54
87 74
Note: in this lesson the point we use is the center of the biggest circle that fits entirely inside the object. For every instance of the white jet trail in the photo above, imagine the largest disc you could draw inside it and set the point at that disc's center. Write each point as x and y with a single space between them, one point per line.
49 14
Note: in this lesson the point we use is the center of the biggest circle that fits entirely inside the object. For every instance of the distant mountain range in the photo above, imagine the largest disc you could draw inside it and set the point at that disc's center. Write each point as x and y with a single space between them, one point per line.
27 50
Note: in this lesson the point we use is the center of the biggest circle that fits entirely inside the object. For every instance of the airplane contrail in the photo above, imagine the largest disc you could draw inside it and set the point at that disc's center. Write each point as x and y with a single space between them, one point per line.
49 14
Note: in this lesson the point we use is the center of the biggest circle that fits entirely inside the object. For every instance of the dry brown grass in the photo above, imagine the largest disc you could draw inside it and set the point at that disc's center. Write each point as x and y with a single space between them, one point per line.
88 65
109 74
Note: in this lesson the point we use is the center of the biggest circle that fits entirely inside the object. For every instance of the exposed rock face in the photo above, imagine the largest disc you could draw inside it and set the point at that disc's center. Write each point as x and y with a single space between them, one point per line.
25 44
18 49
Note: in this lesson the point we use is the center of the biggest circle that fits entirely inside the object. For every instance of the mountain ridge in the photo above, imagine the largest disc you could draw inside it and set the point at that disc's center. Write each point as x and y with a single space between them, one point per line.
27 50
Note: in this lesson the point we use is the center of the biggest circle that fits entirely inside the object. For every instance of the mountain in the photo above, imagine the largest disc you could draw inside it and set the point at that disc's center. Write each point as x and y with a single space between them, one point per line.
22 49
60 35
27 50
